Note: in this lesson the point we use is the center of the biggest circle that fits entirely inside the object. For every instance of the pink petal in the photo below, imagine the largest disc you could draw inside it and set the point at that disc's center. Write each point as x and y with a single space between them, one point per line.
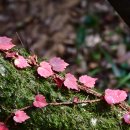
5 43
70 82
32 60
127 118
45 70
11 54
114 96
3 126
20 116
76 99
59 81
40 101
58 64
87 81
21 62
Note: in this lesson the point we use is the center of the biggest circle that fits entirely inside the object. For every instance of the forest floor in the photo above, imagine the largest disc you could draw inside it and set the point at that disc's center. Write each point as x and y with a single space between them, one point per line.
88 34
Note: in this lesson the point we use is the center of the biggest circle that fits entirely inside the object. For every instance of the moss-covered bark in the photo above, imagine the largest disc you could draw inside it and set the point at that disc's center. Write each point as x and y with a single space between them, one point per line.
18 88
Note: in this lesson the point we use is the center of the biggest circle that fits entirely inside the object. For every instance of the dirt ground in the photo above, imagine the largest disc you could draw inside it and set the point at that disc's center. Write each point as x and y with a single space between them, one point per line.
88 34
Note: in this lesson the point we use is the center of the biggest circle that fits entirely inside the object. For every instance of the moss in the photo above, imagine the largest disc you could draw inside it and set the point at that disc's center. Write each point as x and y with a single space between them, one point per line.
18 88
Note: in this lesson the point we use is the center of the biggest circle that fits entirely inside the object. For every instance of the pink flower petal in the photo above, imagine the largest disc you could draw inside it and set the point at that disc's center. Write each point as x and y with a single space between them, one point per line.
127 118
58 64
70 82
87 81
40 101
21 62
32 60
59 81
5 43
11 54
114 96
3 126
20 116
76 99
45 70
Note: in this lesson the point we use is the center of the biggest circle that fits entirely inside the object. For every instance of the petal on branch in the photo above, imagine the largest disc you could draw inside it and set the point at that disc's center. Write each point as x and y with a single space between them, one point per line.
59 81
5 43
126 118
114 96
70 82
45 70
58 64
20 116
40 101
87 81
11 54
21 62
3 126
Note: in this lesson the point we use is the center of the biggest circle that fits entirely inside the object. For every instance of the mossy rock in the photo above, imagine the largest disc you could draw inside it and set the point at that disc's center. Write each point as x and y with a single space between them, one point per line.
19 87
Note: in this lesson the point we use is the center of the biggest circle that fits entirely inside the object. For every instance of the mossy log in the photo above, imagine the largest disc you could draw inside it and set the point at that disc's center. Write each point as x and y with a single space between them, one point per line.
19 87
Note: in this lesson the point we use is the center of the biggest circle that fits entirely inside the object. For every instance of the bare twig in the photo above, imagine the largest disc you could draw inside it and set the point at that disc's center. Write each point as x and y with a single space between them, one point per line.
20 39
88 90
70 103
124 106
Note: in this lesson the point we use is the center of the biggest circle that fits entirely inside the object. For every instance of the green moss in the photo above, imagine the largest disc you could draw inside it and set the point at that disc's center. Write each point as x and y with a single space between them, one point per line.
18 88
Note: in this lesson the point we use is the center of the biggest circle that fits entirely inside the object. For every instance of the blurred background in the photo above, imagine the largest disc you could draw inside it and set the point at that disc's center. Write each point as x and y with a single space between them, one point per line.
88 34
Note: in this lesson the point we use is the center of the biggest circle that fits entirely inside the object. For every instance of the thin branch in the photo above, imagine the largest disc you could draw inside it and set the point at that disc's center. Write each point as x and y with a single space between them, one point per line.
70 103
89 90
25 108
122 107
7 119
20 39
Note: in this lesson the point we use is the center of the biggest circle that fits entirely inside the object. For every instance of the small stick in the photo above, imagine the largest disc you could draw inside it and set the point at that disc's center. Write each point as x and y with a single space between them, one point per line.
20 39
88 90
69 103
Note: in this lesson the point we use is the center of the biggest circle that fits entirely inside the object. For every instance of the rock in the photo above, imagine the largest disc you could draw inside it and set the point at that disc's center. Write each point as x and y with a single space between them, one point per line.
19 87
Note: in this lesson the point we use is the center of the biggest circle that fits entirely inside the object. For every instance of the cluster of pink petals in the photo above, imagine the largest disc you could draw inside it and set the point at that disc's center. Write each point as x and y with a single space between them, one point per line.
126 118
114 96
21 62
3 126
87 81
58 64
70 82
20 116
45 70
40 101
5 43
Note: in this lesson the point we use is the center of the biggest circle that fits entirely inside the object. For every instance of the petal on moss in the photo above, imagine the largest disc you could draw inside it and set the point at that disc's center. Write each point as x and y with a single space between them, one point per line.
11 54
20 116
126 118
40 101
45 70
21 62
58 64
70 82
5 43
114 96
3 126
76 99
87 81
59 81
